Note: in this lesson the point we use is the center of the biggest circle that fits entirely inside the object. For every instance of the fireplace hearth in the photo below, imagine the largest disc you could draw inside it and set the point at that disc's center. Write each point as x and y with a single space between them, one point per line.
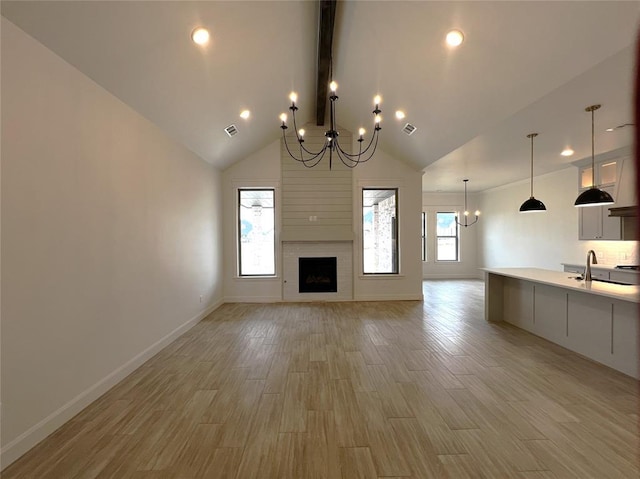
317 275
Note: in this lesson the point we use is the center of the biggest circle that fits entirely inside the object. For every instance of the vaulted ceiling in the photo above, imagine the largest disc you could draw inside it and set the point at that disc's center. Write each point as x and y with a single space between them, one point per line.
524 67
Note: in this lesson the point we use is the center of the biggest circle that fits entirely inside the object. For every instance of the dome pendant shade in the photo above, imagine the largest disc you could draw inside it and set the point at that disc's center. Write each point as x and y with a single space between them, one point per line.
532 205
594 197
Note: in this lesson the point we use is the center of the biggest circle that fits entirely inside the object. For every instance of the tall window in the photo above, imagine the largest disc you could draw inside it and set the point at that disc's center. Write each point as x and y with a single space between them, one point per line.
424 236
446 236
380 231
256 232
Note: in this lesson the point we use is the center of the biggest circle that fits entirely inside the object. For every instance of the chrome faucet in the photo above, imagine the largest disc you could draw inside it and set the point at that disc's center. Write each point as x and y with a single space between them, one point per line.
587 270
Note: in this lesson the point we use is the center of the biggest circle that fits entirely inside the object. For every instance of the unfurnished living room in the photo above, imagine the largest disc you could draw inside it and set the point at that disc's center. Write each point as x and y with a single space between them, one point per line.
319 239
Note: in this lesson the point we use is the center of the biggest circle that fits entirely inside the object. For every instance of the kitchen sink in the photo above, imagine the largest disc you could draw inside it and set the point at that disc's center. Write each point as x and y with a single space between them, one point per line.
612 282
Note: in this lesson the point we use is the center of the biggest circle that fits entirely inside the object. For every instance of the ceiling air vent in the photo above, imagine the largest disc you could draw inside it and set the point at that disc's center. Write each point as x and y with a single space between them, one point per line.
409 128
624 125
231 130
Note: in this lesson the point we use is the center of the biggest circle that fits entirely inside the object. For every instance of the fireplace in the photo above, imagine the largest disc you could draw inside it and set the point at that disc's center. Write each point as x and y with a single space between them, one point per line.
293 251
317 275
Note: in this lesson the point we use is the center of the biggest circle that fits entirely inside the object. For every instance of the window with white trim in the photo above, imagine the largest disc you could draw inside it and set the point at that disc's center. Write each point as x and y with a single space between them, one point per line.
256 232
447 236
380 230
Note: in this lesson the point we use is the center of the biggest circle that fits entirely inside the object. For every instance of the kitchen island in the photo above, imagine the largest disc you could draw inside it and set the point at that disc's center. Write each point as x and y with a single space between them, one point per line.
598 320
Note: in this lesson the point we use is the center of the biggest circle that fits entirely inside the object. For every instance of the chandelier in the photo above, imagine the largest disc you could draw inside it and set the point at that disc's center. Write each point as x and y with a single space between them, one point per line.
332 142
466 212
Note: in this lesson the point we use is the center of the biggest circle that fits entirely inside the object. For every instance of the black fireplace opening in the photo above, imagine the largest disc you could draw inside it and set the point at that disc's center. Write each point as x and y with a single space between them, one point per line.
317 275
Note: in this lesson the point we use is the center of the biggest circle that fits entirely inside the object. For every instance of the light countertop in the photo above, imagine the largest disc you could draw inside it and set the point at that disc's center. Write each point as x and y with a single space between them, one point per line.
609 267
561 279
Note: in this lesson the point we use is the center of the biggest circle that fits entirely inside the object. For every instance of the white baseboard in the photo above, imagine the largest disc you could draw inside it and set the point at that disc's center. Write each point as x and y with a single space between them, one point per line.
32 436
253 299
451 276
379 297
391 297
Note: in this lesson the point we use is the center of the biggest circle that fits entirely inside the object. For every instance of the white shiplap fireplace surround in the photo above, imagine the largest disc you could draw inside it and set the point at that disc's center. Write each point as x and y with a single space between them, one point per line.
317 218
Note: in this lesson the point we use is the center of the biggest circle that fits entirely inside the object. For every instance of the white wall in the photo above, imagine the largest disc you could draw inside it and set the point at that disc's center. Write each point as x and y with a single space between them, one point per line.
542 240
262 169
384 171
110 236
467 266
324 191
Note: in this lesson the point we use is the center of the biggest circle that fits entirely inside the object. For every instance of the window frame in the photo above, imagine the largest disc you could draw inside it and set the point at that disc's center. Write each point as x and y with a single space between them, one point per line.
240 274
395 232
456 237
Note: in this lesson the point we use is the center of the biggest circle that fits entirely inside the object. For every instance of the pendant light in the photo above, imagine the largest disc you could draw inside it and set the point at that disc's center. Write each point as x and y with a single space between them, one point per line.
532 205
593 196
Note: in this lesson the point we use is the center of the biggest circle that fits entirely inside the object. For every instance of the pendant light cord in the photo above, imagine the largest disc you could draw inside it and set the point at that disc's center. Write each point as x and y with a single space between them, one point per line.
593 108
531 166
593 161
532 136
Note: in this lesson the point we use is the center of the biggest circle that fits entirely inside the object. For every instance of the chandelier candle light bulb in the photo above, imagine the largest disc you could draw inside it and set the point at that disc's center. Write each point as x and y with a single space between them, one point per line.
309 159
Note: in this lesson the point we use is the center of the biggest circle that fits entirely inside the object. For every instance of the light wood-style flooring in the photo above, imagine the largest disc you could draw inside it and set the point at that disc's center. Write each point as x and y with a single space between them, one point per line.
354 390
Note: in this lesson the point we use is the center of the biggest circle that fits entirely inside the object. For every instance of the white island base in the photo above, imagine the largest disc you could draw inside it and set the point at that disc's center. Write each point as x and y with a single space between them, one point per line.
597 320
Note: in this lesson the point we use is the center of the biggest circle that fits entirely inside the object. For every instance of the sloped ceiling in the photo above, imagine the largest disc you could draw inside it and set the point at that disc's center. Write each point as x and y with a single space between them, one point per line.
524 67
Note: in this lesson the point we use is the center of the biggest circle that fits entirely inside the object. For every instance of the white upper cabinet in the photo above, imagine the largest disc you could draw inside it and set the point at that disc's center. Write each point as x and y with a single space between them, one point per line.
616 176
594 222
606 175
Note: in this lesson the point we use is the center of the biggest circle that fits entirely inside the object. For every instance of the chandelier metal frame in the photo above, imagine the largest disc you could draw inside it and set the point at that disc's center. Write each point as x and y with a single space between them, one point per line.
332 142
466 212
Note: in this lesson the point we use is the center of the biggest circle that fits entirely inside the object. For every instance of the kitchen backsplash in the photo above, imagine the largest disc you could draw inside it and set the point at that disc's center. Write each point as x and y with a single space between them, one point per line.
614 252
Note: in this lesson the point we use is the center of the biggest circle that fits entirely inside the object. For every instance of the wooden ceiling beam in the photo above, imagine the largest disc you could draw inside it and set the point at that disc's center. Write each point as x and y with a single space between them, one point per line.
325 41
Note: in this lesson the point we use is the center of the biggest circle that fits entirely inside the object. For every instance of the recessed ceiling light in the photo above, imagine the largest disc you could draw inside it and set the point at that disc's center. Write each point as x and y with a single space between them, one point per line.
567 152
455 38
245 114
200 36
399 114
